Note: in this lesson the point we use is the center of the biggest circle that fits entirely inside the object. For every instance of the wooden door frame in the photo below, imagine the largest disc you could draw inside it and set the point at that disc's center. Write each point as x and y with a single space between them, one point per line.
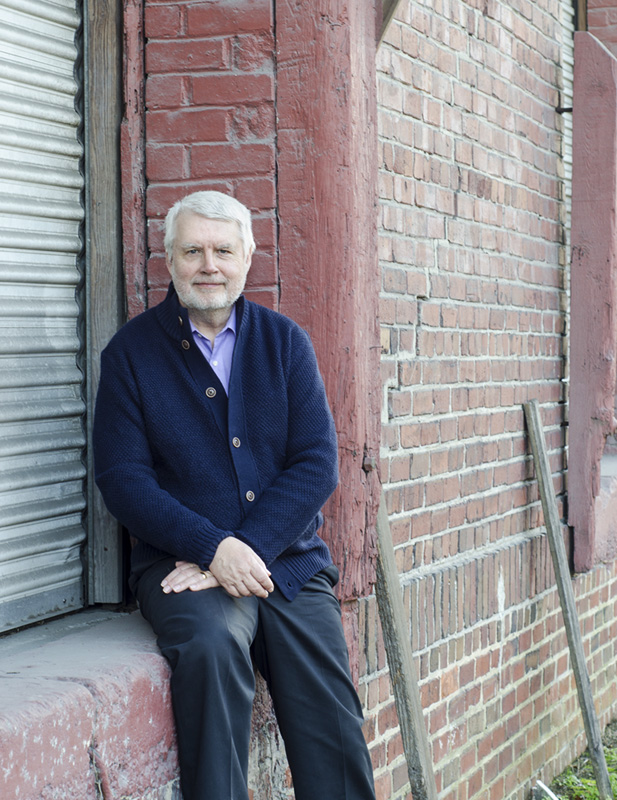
105 303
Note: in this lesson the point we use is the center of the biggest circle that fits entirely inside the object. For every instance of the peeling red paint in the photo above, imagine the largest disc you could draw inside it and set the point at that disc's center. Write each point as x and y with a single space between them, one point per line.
593 288
327 189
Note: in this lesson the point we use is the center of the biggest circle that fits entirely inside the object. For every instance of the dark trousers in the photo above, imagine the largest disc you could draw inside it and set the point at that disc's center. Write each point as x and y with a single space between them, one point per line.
212 641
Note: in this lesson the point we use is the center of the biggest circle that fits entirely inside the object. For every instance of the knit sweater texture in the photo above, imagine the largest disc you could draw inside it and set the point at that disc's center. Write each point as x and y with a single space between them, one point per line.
182 467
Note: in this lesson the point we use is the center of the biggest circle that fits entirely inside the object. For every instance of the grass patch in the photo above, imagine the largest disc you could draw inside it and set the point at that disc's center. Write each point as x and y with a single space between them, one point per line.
577 781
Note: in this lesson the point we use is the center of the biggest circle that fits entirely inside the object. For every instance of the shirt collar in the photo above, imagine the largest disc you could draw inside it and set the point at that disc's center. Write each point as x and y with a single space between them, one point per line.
230 325
173 317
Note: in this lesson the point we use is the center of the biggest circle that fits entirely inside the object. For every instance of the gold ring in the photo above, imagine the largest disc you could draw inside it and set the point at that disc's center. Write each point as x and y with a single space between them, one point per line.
207 574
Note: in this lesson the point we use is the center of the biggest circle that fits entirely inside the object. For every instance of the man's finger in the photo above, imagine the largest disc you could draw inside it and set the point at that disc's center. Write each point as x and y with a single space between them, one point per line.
265 582
188 576
205 580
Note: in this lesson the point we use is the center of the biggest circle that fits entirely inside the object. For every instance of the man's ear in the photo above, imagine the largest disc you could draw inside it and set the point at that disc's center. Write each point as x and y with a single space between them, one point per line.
168 263
249 258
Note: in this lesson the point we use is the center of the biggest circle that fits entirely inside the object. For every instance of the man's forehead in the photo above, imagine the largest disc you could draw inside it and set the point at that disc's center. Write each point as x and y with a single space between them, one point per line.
225 226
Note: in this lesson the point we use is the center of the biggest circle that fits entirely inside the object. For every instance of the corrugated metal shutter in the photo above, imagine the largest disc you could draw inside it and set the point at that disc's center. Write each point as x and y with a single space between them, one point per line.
41 407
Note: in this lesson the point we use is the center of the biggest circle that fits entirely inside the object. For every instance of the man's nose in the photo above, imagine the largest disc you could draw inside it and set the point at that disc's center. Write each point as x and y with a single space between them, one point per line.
208 264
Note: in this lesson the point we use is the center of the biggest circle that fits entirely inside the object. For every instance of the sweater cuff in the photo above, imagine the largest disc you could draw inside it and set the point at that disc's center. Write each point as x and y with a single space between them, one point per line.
205 544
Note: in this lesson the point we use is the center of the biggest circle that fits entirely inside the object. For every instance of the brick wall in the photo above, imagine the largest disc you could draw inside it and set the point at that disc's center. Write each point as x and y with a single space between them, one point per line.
473 316
210 121
602 22
213 72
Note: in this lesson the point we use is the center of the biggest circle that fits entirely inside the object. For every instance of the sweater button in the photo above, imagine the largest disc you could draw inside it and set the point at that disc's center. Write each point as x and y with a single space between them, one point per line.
210 391
250 496
235 441
185 344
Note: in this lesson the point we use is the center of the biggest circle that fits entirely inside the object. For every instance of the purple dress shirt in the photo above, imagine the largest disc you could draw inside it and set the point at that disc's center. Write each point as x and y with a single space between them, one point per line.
219 357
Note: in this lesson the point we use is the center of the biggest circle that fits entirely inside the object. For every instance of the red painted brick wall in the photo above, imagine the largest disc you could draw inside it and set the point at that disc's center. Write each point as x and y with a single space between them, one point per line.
210 121
474 312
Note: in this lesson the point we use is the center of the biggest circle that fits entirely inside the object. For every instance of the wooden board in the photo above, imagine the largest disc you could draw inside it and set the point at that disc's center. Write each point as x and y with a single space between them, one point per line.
566 596
105 305
397 640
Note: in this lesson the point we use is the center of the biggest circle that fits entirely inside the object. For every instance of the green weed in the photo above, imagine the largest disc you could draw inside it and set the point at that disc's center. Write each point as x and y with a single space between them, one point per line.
577 782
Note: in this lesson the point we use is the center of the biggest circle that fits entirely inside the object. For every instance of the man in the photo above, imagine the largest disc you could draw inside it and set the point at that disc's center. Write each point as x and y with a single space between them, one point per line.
215 447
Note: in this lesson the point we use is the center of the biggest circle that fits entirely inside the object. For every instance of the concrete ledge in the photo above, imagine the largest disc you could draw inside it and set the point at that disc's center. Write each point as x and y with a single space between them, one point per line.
85 712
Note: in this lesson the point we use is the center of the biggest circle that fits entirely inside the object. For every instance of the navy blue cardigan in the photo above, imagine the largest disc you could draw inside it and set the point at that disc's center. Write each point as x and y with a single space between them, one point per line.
182 467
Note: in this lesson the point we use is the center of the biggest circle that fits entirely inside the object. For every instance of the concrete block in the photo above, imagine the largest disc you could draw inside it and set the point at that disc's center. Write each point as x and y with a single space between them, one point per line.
86 712
45 732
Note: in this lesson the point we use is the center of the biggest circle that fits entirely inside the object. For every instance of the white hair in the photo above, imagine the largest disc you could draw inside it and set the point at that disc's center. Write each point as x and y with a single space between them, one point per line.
212 205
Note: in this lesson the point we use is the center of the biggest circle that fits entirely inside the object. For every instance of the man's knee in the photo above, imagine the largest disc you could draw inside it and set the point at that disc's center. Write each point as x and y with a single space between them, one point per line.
208 631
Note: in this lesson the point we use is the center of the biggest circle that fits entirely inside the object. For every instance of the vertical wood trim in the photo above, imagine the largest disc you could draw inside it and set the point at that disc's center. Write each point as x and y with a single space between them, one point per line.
581 15
593 303
104 280
329 275
133 158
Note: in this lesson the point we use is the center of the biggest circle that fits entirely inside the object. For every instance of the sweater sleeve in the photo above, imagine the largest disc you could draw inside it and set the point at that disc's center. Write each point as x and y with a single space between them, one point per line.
288 508
126 475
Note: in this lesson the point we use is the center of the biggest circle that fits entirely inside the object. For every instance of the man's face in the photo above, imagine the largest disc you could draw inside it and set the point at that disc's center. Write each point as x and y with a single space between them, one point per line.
208 264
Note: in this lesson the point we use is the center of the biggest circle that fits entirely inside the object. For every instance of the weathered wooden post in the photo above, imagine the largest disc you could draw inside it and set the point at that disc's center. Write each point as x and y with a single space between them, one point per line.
566 596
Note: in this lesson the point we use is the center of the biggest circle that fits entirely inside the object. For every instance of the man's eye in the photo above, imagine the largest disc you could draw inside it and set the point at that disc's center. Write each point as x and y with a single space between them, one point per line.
224 252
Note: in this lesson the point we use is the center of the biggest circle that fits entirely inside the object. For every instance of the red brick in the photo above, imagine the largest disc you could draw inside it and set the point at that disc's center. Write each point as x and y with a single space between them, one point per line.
265 233
263 271
467 671
156 296
378 756
251 123
234 17
186 55
158 274
256 193
481 260
399 403
254 52
162 21
166 162
399 469
383 790
387 718
222 160
166 91
437 718
188 125
232 89
265 297
395 749
160 197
